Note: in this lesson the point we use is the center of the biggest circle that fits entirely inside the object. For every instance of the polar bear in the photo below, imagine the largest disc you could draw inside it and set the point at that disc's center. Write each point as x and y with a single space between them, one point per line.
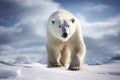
64 41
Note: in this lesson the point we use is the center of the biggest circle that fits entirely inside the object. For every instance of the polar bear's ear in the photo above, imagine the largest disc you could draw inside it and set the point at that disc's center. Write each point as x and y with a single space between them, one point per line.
72 20
53 21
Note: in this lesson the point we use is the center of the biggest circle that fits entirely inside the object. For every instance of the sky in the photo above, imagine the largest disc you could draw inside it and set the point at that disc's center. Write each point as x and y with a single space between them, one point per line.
23 25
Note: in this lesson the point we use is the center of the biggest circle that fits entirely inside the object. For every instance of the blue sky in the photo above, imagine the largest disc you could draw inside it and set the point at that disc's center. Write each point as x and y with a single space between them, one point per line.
23 24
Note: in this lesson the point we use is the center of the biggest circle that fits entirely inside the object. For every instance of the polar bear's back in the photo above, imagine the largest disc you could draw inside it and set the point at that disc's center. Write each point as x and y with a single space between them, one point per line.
62 13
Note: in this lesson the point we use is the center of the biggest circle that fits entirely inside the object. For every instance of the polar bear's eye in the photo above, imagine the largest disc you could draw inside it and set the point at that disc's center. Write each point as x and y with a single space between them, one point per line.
59 26
53 21
72 20
68 25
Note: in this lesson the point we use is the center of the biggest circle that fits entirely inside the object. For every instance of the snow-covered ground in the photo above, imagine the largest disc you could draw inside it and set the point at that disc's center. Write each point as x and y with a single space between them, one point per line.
32 66
37 71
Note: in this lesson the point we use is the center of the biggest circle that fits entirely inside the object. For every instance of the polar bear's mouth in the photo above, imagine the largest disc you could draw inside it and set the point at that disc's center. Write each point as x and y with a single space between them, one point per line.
65 35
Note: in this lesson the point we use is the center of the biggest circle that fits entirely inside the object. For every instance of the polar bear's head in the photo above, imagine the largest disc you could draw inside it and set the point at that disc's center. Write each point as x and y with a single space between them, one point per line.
62 28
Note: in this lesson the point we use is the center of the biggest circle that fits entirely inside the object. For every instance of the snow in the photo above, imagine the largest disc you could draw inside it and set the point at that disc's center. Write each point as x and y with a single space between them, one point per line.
31 66
38 71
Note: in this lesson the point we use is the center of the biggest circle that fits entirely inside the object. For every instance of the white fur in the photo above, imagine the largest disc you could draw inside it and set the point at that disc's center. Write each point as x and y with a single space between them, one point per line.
59 20
60 49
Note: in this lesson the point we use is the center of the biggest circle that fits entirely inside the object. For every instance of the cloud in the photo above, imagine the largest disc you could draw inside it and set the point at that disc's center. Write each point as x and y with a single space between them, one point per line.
95 7
102 49
32 19
6 48
98 29
112 43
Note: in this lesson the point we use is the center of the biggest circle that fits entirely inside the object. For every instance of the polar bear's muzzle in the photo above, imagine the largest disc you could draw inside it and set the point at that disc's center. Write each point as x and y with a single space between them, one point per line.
64 32
65 35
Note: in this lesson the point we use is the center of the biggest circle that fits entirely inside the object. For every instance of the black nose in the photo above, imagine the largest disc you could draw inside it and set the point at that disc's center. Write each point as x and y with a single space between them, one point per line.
64 35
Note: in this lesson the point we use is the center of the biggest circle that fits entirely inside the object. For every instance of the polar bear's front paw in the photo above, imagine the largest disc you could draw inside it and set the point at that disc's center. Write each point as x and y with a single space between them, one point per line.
55 65
74 68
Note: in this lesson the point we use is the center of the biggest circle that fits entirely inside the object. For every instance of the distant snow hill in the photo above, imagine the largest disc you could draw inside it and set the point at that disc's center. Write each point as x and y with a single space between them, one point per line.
110 70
